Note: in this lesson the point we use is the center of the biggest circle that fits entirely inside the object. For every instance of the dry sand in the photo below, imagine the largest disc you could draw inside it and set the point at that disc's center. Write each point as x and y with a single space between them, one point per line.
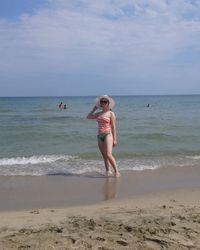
162 220
166 218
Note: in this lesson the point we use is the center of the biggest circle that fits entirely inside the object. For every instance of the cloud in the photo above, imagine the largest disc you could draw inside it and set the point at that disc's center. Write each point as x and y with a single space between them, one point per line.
121 38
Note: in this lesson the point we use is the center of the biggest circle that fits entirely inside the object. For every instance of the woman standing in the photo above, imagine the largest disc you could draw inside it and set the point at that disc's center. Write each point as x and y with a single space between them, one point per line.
107 138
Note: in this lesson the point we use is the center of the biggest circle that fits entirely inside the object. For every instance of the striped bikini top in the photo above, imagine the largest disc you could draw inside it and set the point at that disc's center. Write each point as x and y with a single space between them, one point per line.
104 125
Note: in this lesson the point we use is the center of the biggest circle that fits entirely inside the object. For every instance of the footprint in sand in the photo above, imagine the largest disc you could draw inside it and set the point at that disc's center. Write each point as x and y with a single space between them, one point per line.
172 200
34 212
122 242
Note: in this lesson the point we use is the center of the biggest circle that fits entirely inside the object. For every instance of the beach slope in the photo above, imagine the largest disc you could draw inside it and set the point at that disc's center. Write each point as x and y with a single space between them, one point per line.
167 219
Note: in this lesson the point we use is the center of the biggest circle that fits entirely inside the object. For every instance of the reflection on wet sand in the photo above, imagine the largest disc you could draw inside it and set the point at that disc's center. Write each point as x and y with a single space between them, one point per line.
110 188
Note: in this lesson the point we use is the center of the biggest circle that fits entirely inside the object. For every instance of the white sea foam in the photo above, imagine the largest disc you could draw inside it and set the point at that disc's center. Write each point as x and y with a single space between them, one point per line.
33 160
74 165
195 157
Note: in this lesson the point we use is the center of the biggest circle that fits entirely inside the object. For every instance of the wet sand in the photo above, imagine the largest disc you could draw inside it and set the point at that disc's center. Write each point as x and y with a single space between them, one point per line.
29 192
154 210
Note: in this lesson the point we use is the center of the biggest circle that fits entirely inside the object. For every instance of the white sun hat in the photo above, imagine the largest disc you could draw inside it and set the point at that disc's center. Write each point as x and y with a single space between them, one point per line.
111 101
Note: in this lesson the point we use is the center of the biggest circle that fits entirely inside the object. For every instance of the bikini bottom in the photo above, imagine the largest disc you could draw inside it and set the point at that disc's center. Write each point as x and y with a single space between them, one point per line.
102 136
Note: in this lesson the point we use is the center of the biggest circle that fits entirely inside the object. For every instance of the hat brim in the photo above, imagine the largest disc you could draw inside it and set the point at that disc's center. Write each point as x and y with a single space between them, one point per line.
111 101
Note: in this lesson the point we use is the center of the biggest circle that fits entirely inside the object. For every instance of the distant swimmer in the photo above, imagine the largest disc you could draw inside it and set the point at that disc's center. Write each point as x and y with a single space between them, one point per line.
62 106
148 105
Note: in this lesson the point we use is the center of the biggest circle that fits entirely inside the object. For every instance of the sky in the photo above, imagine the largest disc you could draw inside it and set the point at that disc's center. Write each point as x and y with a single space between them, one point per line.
96 47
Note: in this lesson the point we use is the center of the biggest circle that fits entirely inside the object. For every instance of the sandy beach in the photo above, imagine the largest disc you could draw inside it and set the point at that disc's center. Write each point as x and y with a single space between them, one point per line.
157 209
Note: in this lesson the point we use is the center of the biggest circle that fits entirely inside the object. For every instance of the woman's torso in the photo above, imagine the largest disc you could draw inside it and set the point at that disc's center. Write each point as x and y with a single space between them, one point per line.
104 122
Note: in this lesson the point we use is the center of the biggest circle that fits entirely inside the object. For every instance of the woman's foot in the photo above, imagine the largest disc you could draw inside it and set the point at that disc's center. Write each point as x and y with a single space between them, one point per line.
117 174
108 173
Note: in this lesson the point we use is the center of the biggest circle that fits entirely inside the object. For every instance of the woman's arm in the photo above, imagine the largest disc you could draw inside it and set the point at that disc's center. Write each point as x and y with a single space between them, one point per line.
92 115
113 127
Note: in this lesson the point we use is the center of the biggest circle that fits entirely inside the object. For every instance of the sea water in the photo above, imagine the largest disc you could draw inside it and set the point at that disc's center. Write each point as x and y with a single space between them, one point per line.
37 138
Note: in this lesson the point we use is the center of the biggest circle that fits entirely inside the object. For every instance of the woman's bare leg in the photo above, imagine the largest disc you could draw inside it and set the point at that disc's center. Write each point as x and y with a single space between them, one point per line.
103 152
107 148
